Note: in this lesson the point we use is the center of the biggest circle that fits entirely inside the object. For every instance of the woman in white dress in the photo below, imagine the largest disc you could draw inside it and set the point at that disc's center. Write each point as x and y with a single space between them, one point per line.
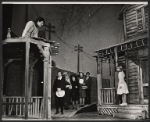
122 86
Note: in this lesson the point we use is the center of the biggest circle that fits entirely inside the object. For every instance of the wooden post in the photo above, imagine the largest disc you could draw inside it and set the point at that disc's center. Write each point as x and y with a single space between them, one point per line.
26 78
127 72
116 73
99 79
49 86
30 81
111 72
116 57
45 92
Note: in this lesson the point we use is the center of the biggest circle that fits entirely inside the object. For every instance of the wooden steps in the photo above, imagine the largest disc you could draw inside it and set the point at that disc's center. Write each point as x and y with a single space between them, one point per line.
130 112
127 116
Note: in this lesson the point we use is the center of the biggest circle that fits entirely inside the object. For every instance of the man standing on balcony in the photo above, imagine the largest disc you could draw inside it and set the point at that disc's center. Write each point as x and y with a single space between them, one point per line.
32 29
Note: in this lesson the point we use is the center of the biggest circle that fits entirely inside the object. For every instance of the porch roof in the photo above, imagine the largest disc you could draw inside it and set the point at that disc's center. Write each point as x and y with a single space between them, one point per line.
130 44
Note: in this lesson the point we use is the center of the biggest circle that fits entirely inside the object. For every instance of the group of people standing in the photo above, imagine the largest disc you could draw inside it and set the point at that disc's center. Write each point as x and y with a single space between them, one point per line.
73 89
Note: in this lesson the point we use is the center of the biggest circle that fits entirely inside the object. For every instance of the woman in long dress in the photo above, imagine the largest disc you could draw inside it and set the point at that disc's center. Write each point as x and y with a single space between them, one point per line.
68 88
74 91
122 86
82 89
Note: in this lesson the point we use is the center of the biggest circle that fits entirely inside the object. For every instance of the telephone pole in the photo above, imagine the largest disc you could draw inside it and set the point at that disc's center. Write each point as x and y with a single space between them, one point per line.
78 49
50 27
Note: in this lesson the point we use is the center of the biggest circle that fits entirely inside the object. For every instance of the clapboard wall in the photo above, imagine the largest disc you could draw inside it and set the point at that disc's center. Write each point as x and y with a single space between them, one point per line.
133 77
135 18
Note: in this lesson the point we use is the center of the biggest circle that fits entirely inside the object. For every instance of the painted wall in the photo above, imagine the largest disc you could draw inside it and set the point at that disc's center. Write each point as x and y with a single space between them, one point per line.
101 30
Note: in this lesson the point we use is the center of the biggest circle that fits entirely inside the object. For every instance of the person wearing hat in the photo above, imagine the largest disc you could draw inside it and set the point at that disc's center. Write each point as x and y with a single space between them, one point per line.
74 91
122 86
59 91
82 89
68 87
88 82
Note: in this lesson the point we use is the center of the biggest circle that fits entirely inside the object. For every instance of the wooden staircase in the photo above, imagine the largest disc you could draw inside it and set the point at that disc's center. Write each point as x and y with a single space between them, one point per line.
132 112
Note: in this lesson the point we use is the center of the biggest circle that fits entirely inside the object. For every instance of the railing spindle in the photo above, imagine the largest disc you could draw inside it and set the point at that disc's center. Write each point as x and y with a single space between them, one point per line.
108 95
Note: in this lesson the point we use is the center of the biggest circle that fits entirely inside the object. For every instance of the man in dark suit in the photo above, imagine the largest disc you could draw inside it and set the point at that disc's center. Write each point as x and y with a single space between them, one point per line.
88 82
59 84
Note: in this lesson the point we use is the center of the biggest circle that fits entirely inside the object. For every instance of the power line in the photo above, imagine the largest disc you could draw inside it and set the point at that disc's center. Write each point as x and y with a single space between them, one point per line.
72 47
88 55
67 44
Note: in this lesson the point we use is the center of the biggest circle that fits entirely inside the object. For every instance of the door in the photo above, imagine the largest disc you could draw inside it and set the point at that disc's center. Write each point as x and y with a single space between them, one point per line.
144 80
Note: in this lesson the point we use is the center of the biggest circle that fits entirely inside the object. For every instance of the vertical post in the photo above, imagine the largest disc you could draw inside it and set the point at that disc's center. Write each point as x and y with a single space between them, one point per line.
127 72
116 57
49 26
99 79
79 49
78 68
116 73
45 92
111 72
30 80
26 78
49 86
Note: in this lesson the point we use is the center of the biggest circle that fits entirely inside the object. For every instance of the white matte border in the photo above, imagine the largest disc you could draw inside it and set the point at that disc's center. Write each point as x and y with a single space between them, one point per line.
86 2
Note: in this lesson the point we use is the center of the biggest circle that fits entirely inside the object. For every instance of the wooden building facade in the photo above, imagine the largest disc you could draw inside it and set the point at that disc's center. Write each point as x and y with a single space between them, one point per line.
21 57
132 54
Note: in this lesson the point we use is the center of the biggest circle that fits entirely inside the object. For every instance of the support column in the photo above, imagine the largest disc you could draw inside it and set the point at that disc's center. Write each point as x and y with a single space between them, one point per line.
26 78
45 89
116 65
49 87
116 73
112 78
127 72
99 79
30 81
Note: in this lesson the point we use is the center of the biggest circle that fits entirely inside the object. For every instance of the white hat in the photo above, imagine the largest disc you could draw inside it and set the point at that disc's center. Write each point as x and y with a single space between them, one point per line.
60 93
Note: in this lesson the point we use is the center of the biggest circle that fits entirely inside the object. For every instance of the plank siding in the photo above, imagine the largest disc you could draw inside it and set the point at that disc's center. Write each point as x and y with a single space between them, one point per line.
133 83
136 20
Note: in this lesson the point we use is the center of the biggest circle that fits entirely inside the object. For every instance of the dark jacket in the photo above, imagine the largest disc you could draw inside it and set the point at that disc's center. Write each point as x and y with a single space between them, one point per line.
59 84
88 83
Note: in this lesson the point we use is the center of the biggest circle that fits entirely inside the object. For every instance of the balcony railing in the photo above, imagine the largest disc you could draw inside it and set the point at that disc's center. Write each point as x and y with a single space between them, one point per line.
108 95
15 105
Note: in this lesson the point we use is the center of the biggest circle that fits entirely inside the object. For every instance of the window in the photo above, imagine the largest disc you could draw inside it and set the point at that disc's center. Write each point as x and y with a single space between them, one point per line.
142 18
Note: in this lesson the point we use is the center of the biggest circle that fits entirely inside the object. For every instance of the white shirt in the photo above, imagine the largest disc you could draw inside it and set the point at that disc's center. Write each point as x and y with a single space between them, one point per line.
59 78
81 81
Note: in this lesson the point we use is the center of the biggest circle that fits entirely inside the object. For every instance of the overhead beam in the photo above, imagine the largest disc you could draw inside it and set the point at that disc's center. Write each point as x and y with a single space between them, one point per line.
22 39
